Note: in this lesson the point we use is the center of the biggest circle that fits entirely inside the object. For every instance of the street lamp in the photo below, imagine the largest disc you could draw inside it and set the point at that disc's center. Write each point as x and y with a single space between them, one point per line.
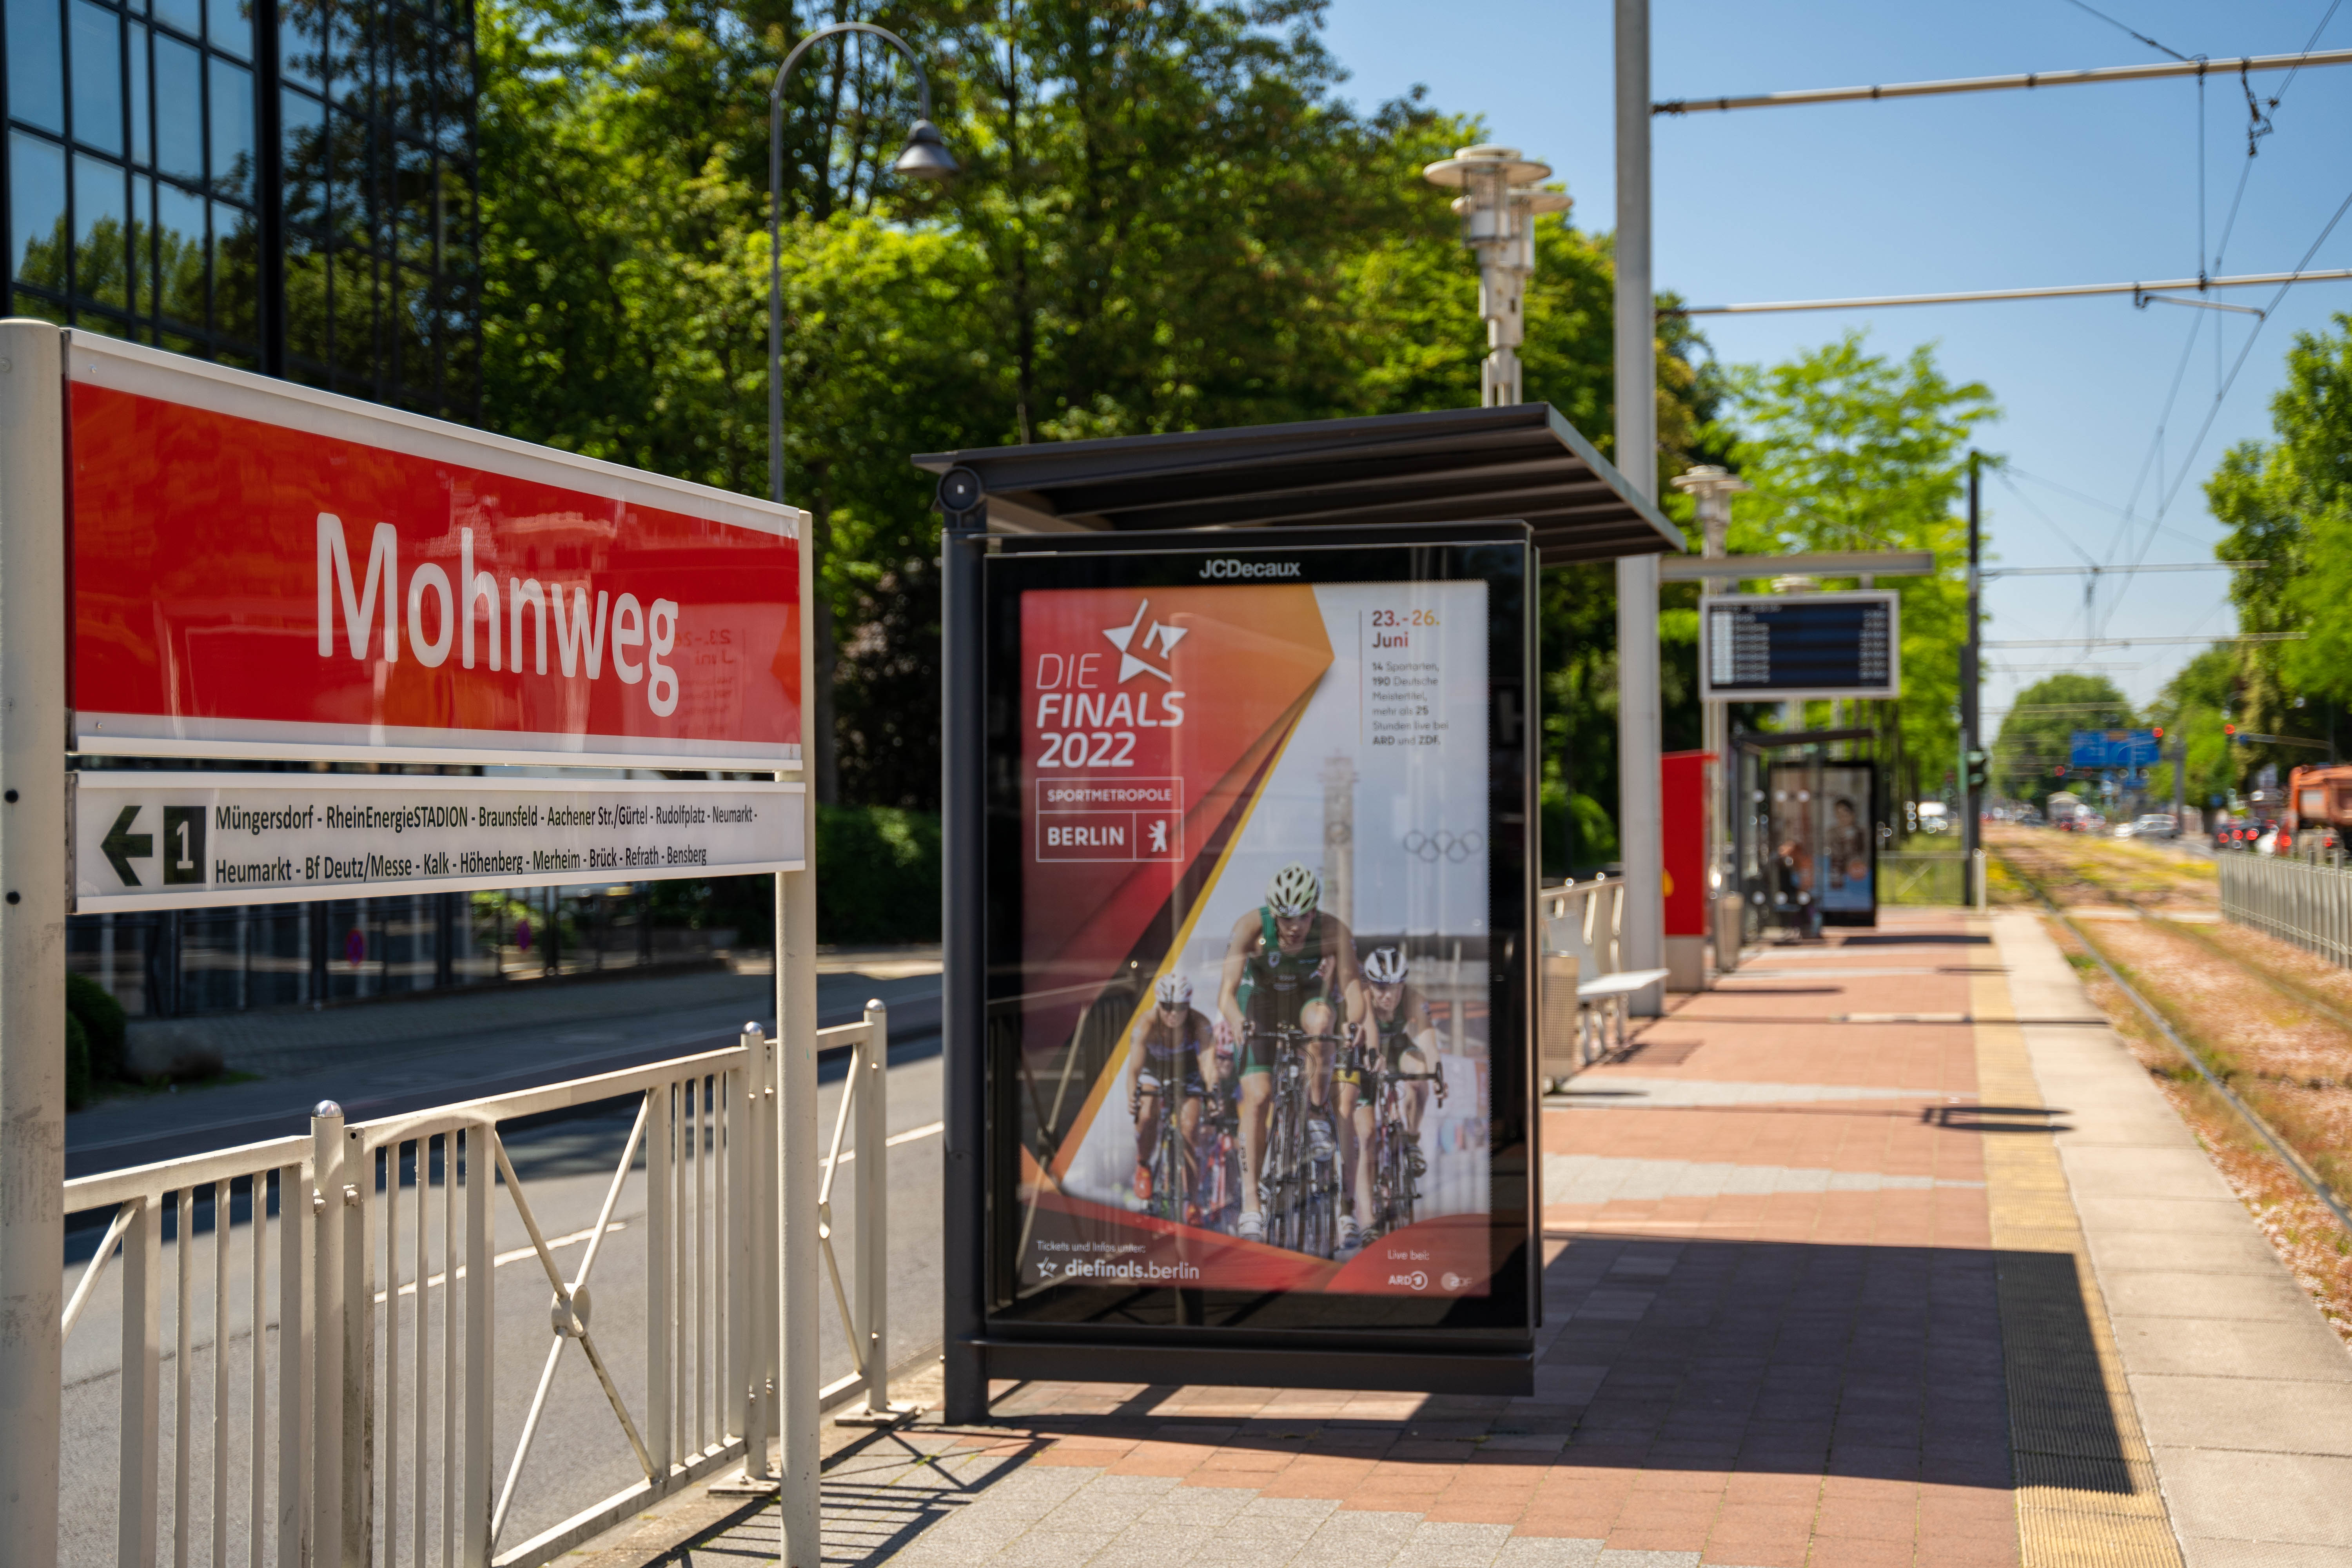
925 157
1498 213
1712 487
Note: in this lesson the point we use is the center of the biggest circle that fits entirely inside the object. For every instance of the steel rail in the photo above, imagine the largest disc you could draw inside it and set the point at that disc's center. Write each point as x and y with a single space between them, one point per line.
1979 296
2091 76
2287 1156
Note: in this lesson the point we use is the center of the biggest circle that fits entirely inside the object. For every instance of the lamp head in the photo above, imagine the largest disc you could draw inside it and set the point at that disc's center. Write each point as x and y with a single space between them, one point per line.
926 156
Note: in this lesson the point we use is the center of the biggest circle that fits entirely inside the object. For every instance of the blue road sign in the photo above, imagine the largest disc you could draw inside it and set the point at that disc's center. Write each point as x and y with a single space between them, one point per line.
2114 749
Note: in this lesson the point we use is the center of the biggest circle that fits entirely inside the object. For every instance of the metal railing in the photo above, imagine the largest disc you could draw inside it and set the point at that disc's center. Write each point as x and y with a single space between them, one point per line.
369 1432
2305 902
1925 877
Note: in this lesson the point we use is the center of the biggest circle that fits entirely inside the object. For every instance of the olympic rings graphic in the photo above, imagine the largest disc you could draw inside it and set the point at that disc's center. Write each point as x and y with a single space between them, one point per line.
1430 848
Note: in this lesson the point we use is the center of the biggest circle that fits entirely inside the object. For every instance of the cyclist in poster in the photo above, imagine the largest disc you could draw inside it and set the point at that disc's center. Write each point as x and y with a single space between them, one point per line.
1289 974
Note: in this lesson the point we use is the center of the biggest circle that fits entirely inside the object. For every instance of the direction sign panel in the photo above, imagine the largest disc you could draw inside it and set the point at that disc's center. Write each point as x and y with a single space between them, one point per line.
2113 748
1754 648
260 570
174 840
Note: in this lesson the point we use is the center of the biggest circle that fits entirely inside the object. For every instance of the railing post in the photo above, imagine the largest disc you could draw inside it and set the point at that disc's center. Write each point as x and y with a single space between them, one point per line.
873 1071
745 1278
328 1338
297 1328
142 1371
661 1325
482 1252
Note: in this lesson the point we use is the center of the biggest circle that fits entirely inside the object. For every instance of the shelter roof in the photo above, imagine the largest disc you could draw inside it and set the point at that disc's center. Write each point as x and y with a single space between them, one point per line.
1522 462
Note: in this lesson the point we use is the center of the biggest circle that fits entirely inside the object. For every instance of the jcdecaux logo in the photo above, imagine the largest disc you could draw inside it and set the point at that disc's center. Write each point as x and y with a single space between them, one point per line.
1226 566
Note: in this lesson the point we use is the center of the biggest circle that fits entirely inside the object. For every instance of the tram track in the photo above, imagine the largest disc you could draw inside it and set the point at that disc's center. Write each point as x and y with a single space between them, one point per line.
2298 994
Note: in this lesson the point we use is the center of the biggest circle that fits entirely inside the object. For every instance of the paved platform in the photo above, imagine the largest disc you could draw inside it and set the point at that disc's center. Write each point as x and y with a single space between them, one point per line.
1883 1252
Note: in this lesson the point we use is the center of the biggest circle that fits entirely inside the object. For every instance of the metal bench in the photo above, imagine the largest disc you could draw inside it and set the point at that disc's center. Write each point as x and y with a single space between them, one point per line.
1582 942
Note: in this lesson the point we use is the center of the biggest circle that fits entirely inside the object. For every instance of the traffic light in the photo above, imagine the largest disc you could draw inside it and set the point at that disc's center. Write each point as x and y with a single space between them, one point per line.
2059 771
2160 731
1978 770
2230 732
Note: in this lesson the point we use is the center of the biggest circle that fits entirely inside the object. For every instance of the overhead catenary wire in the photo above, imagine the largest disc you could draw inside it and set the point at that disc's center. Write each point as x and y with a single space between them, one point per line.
1986 296
2143 38
2166 498
2091 77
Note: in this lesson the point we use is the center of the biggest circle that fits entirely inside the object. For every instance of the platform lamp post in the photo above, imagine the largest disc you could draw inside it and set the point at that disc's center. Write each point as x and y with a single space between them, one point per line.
1498 210
800 1520
925 157
1712 488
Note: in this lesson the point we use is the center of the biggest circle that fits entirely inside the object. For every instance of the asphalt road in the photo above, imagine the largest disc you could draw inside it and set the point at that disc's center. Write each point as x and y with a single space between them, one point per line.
580 1454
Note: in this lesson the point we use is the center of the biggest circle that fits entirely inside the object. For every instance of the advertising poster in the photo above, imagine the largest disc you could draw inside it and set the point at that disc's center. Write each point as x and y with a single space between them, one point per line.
1824 840
1258 893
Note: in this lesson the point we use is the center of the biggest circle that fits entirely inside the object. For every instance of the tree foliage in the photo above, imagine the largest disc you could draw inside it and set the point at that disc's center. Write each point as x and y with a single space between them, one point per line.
1851 450
1167 218
2195 704
2036 734
2288 503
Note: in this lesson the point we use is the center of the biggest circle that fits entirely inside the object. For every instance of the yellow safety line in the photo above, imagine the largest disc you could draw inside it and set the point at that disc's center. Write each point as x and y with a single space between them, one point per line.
2087 1489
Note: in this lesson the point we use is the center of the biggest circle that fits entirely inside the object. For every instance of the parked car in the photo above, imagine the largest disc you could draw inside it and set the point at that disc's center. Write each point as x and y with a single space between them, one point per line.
2156 824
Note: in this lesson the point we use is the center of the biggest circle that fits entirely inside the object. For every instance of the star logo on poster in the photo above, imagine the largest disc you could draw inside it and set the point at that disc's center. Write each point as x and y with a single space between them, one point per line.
1162 636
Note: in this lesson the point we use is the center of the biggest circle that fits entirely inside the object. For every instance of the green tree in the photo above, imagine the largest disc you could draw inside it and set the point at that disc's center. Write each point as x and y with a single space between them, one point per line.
2192 708
1851 450
1167 220
2288 503
2034 738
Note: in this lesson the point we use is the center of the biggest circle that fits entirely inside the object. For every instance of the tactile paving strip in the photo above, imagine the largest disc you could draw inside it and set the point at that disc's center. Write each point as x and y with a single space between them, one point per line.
2086 1488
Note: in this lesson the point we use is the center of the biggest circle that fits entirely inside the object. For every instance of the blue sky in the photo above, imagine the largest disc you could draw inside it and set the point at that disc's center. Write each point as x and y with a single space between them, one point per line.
1976 191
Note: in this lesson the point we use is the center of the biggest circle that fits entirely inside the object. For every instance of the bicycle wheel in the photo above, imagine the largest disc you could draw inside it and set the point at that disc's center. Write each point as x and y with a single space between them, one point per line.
1403 1186
1167 1171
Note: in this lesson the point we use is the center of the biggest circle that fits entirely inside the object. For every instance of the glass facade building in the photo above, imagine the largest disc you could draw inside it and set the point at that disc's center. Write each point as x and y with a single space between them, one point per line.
288 187
285 185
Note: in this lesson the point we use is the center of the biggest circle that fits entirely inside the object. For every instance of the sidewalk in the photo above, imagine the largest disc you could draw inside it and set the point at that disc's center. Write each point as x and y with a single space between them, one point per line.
1829 1282
378 1059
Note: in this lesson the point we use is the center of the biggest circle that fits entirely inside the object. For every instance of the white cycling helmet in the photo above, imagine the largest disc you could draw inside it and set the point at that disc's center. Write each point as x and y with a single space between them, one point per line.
1384 966
1173 991
1295 891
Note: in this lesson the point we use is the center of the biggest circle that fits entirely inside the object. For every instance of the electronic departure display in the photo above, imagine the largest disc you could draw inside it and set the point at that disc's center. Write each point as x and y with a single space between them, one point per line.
1755 649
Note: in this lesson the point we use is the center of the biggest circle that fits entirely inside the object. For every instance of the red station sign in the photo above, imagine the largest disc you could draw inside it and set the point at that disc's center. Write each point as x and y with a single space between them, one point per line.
260 570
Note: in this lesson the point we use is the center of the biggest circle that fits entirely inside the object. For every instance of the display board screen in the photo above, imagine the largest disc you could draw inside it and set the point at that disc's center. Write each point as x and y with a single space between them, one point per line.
1754 648
1259 881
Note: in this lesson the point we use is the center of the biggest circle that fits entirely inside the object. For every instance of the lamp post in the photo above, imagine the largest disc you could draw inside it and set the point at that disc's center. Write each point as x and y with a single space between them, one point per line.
800 1520
1498 212
1712 488
925 157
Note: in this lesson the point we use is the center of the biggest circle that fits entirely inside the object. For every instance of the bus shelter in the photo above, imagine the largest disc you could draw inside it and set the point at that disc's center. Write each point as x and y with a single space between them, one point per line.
1240 866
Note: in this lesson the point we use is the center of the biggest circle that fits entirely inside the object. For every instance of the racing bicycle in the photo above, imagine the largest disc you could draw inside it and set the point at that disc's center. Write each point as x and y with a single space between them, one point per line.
1299 1189
1396 1165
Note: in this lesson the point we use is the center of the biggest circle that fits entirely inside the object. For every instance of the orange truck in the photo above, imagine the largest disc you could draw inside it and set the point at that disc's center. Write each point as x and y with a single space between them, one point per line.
2319 805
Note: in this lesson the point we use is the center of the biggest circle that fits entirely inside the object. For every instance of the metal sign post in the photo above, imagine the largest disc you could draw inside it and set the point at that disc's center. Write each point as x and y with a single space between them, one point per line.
33 900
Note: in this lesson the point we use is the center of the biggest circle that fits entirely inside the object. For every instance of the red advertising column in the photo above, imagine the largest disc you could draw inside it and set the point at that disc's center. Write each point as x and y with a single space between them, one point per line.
1682 800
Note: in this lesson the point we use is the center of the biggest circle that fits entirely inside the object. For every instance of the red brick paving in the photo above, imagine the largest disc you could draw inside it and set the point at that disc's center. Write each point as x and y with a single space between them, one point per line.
1815 1381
